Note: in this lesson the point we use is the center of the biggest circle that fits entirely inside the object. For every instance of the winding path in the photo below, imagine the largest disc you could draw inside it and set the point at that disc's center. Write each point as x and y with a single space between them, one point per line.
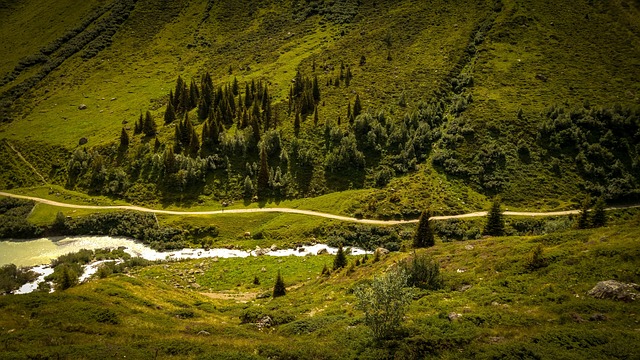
291 211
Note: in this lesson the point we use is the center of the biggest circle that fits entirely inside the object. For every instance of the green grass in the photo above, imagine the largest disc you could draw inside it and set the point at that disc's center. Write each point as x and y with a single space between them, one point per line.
508 310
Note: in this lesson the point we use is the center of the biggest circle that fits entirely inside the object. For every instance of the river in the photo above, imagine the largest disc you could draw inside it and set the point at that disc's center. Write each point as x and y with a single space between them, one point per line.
38 253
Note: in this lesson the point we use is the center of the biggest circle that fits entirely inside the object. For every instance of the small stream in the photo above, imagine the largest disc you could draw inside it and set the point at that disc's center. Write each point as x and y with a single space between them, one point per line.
38 253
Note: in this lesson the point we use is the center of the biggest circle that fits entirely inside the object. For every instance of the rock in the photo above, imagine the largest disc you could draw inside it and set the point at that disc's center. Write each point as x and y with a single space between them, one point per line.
495 339
259 252
83 141
82 107
541 77
265 295
264 322
598 317
263 269
301 249
615 290
464 288
203 333
195 285
322 251
382 251
273 247
577 318
468 247
454 316
113 99
247 234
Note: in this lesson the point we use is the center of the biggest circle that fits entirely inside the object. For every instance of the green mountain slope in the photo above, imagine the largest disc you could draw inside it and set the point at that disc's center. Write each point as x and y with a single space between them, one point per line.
454 95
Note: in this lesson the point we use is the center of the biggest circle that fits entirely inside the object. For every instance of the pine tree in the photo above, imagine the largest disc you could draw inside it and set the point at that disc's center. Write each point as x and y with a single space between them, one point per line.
424 235
169 114
349 115
340 260
137 127
149 125
357 107
583 219
248 187
316 89
296 123
235 88
279 289
599 218
495 221
124 139
263 174
315 117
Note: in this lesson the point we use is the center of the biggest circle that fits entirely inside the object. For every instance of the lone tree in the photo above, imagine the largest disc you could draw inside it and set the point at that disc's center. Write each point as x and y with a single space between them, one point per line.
599 218
340 260
279 289
495 221
424 235
583 220
384 302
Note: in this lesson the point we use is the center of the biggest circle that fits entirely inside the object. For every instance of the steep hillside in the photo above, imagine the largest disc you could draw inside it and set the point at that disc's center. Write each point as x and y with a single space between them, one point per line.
484 98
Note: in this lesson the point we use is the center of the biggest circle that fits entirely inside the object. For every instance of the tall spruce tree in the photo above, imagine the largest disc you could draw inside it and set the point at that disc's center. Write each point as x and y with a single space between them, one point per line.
357 107
279 289
424 235
263 174
599 218
169 114
149 125
495 221
340 260
124 139
583 218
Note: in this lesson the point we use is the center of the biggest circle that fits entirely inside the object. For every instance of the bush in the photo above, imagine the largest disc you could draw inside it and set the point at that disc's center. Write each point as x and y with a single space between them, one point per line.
384 302
422 272
12 278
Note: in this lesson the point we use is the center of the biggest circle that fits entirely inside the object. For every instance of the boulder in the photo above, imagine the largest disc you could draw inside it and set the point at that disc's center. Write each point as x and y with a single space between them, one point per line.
468 247
83 141
541 77
264 322
204 333
322 251
454 316
301 249
247 234
382 251
82 107
615 290
273 247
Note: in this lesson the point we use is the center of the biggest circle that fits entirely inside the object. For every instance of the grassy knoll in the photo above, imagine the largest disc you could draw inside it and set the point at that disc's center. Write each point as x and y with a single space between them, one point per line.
508 309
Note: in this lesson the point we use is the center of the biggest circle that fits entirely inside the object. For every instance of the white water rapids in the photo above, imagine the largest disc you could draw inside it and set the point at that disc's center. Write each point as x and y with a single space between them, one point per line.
38 253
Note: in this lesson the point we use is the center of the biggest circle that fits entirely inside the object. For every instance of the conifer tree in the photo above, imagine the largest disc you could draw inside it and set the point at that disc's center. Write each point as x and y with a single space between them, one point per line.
495 221
137 127
194 143
279 288
340 260
248 187
424 234
315 117
177 94
316 89
156 145
349 117
583 219
357 107
235 88
296 123
149 125
599 218
169 114
124 139
263 174
169 160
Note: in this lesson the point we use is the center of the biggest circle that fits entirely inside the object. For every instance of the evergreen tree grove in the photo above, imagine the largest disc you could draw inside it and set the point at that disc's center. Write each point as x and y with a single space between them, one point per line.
495 221
424 235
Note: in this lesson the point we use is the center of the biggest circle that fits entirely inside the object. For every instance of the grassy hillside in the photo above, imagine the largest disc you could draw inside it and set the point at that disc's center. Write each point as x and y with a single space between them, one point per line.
465 88
208 308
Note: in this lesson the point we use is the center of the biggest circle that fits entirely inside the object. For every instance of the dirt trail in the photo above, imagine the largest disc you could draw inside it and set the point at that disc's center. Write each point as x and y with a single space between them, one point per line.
291 211
44 181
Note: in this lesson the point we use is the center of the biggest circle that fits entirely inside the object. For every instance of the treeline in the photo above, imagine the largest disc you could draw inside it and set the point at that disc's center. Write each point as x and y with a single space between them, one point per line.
604 144
13 219
140 226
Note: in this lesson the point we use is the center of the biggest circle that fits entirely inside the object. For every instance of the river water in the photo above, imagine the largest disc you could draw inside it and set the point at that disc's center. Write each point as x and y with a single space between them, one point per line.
38 253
